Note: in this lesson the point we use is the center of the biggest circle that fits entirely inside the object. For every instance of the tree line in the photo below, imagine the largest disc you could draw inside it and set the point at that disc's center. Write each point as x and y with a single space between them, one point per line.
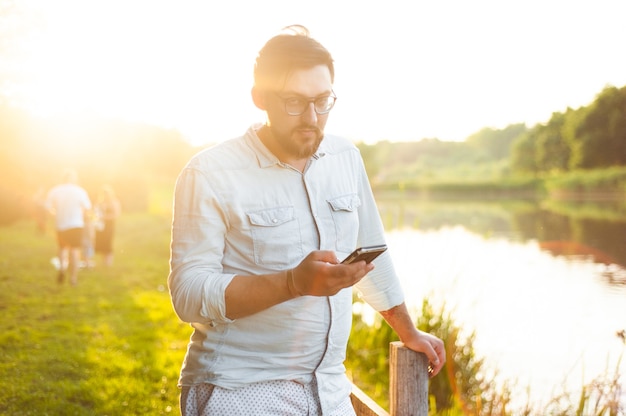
590 137
134 157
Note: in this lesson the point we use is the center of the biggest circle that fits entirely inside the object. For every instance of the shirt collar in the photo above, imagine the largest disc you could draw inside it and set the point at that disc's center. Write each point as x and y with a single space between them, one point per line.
266 158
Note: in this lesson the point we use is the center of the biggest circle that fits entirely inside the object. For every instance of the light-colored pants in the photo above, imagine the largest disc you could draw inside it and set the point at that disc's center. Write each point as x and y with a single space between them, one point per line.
268 398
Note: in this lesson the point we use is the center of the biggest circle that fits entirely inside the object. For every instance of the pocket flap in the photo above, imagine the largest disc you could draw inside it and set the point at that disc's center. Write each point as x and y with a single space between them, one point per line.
271 217
345 203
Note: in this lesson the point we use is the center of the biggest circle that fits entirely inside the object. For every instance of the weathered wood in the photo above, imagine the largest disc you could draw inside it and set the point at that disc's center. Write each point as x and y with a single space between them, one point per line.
364 405
408 381
408 386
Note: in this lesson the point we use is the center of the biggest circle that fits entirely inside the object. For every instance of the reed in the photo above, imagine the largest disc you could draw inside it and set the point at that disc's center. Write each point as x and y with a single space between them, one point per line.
467 385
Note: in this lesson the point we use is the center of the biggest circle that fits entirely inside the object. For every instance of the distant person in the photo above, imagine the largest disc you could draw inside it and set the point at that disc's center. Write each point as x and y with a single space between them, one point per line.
69 203
107 210
259 227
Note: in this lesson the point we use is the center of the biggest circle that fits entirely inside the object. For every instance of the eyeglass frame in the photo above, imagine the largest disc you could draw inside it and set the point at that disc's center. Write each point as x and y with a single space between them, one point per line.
308 102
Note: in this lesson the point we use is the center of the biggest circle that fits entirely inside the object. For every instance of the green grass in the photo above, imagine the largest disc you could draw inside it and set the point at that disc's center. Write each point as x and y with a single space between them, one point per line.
112 345
109 346
589 182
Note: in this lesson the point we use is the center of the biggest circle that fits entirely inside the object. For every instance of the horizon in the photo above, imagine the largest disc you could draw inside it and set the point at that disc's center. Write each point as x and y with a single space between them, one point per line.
404 71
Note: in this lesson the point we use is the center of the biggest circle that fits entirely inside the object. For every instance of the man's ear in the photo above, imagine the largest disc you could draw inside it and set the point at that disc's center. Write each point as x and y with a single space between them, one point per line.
258 98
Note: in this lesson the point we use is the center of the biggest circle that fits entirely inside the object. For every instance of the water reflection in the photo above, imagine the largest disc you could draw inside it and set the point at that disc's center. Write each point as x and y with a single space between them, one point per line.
542 285
590 230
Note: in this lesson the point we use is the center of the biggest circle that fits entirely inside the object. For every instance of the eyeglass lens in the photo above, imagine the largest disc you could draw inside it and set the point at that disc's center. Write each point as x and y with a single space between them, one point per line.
296 106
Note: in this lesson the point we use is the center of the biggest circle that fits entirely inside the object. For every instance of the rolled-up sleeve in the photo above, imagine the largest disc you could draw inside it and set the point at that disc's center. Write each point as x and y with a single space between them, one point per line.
196 281
381 288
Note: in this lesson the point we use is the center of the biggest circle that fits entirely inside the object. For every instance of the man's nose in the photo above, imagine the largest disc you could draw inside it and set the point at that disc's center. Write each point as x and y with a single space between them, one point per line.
310 115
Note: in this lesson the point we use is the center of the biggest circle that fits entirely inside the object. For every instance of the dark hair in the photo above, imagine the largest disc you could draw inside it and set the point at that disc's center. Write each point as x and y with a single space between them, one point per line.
292 49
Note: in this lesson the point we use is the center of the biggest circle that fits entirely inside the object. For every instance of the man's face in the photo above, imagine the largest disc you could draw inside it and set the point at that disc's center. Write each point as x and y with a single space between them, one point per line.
299 136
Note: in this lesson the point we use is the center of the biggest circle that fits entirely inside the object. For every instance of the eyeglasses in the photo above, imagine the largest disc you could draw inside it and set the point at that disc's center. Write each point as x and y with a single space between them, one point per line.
295 106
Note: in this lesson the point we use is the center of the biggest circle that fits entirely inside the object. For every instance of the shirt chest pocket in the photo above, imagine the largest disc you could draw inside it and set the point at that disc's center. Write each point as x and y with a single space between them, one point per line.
276 237
346 220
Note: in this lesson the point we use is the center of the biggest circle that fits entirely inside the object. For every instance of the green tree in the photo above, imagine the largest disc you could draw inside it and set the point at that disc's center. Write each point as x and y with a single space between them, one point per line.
602 132
523 153
552 152
573 119
372 157
496 144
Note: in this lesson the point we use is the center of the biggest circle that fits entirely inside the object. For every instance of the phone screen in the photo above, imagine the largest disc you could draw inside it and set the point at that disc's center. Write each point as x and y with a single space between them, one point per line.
365 253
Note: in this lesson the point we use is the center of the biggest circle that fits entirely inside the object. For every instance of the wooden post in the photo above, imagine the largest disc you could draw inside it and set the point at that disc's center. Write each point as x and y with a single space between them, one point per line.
408 381
408 386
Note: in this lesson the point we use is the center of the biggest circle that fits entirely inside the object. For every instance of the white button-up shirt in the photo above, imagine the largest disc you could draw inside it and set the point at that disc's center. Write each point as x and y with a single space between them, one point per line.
68 202
239 210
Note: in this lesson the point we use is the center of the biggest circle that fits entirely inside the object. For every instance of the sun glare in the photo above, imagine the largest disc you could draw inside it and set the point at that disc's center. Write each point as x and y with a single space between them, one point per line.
163 70
432 73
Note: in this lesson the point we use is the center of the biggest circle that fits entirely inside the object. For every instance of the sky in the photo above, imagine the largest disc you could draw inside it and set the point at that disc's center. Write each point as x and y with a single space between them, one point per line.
405 69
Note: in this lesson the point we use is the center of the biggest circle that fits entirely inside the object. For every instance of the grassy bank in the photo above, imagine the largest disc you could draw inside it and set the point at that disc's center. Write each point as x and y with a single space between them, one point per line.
609 183
109 346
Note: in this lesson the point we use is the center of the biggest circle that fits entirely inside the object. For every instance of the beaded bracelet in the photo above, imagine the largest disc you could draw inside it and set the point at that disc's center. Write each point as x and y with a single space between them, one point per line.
291 285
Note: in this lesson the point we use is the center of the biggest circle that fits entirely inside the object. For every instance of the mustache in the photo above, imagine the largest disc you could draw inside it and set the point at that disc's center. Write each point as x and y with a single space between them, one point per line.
308 128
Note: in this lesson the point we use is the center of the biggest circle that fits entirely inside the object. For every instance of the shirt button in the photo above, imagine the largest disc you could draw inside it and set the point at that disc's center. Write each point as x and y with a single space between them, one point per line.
274 220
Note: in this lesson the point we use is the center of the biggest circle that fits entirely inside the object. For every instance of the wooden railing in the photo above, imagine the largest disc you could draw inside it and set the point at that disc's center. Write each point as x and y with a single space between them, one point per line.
408 386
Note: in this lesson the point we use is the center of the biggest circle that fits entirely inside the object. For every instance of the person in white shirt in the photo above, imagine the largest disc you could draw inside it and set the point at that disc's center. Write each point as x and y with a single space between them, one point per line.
69 204
260 224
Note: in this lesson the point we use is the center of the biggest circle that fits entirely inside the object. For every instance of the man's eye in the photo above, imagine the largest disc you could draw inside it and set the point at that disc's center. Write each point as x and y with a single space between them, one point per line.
293 101
322 101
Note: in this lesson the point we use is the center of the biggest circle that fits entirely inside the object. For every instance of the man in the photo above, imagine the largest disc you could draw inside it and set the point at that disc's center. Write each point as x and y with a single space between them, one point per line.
260 223
69 203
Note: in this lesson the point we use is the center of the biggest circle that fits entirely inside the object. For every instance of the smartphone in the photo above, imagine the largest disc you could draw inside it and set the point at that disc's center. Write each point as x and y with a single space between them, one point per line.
365 253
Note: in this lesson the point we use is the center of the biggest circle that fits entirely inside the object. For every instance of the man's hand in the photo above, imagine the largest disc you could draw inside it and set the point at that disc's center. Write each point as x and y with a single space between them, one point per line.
399 319
321 274
432 347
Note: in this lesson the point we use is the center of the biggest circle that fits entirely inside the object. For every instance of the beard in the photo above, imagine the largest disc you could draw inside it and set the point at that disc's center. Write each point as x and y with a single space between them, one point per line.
297 146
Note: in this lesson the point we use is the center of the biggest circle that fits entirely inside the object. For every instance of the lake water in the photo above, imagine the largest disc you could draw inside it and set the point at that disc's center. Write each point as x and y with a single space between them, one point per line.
542 284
